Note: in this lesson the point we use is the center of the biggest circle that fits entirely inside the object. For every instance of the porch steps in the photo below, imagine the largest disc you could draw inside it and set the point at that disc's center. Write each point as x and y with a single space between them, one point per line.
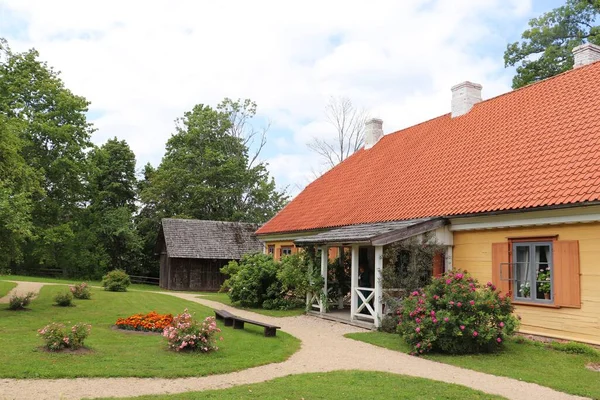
335 318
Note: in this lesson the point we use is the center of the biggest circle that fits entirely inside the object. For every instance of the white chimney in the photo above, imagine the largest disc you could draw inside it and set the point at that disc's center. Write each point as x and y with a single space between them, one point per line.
464 96
586 54
373 132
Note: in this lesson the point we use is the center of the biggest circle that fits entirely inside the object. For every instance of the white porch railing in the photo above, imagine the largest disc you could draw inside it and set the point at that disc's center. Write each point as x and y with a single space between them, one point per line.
314 301
365 296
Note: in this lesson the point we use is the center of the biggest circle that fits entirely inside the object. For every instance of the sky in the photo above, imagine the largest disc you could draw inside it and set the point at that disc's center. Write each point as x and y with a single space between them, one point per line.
142 64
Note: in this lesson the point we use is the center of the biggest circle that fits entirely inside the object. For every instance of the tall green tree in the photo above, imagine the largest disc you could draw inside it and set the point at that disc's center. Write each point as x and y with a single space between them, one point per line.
55 135
546 46
207 173
18 184
113 194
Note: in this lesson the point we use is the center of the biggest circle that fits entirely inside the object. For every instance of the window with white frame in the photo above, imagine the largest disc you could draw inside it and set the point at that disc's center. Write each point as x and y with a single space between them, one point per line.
532 271
286 250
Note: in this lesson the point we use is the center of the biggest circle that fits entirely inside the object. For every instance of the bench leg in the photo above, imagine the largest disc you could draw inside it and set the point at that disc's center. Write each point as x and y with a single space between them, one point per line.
237 324
270 332
228 321
218 316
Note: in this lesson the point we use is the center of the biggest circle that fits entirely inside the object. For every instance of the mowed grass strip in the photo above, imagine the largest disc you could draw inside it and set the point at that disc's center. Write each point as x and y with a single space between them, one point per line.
134 286
6 287
224 298
529 362
338 385
119 354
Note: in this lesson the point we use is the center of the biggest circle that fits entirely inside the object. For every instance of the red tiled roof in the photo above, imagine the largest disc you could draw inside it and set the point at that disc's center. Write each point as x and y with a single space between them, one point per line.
532 147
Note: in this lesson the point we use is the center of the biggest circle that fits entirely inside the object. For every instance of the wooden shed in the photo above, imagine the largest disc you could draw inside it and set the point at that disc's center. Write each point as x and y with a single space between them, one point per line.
193 251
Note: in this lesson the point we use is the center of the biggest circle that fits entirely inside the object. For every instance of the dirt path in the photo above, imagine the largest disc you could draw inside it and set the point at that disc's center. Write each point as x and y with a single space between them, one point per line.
22 289
323 349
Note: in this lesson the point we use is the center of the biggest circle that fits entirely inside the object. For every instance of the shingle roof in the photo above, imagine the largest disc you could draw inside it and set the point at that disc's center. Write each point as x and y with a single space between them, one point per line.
532 147
193 238
359 233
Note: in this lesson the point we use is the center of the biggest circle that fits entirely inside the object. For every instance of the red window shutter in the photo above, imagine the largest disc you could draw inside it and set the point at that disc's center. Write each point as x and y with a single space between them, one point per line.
438 264
567 292
501 271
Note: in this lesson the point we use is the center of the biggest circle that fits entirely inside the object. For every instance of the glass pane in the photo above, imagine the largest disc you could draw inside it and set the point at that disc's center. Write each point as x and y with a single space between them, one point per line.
543 284
522 261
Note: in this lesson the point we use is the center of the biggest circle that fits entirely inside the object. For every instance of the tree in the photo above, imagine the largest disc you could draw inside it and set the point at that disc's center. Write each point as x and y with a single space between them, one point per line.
55 135
349 124
113 194
240 114
546 47
18 184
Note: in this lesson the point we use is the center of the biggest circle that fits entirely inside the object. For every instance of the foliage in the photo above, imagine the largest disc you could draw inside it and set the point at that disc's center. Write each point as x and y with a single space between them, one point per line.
64 299
186 333
543 276
253 281
299 276
546 46
57 337
575 348
151 322
454 314
116 281
20 302
81 291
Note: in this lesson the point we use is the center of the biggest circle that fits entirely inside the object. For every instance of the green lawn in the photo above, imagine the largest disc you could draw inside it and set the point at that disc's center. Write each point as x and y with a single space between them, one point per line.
338 385
117 353
6 287
524 361
224 298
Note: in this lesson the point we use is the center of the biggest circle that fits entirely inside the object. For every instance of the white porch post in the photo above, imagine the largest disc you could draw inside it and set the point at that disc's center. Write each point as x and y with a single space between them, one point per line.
324 261
353 281
378 303
449 258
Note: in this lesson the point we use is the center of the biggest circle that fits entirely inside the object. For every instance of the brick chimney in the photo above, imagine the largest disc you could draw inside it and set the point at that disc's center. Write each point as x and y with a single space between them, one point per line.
586 54
373 132
464 96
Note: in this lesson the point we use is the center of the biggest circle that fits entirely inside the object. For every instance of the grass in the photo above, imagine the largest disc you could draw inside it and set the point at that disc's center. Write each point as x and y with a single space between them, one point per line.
6 287
118 354
338 385
135 286
224 298
527 361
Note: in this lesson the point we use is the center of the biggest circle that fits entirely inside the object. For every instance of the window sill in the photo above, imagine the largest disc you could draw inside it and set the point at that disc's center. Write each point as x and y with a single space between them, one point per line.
532 304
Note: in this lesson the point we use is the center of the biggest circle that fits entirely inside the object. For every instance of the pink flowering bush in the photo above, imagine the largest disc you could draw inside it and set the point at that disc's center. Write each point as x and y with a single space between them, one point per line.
81 291
186 333
57 337
455 314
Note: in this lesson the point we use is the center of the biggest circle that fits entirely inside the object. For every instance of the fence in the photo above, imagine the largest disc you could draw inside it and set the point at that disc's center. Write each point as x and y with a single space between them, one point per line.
147 280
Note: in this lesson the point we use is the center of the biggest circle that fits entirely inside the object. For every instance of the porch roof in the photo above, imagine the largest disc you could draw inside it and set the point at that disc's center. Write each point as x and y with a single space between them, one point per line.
376 234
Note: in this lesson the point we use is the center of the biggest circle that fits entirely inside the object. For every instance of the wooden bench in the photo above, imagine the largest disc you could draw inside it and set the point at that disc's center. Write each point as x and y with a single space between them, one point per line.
238 322
225 316
270 330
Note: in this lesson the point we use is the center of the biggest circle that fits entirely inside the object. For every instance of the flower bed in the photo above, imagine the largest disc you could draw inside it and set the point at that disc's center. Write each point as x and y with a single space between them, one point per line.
151 322
186 333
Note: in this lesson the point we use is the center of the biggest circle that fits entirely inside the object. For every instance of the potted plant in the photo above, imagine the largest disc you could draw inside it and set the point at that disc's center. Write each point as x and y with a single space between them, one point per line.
525 289
543 278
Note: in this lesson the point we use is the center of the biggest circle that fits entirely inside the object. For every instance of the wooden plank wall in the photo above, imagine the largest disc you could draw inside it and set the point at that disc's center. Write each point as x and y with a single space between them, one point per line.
473 252
196 274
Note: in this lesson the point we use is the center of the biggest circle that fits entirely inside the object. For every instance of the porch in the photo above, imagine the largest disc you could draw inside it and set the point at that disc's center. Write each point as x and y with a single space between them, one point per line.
363 304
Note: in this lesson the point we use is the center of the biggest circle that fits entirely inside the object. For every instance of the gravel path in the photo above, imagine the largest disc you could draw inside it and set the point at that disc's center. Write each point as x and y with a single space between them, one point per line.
22 289
324 348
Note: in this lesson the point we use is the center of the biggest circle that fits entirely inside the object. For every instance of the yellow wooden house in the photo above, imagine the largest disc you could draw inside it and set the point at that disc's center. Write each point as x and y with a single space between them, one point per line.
510 186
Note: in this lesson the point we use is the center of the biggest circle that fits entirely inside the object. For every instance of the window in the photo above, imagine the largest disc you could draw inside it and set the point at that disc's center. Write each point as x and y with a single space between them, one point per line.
271 249
286 250
532 271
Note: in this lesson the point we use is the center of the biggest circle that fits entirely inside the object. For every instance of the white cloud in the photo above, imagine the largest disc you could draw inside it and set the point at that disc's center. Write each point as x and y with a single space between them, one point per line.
142 64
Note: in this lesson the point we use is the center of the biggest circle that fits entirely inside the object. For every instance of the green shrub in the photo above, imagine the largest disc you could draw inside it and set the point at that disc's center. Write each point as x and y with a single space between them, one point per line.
575 348
116 281
298 275
454 314
254 280
64 299
284 303
20 302
81 291
57 337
